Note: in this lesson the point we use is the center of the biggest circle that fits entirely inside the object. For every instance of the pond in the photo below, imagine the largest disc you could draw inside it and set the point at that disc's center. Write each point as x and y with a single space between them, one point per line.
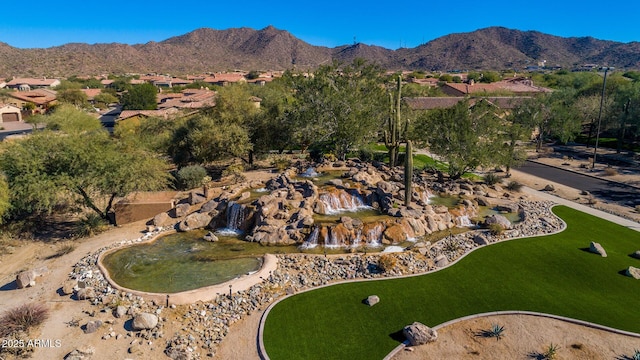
183 261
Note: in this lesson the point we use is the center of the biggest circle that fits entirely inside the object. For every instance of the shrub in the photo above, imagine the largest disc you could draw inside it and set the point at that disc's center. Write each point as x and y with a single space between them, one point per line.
492 179
496 229
90 225
191 176
610 172
22 318
235 172
387 262
280 162
551 352
636 355
514 186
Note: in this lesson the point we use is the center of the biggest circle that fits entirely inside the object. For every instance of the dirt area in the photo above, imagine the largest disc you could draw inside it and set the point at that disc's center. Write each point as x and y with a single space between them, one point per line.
524 335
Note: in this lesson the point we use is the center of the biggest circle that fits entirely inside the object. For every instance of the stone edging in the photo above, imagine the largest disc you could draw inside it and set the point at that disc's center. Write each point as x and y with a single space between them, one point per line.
402 346
262 351
207 293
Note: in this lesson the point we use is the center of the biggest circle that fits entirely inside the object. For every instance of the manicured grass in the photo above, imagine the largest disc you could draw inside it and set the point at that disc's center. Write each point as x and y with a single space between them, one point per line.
552 274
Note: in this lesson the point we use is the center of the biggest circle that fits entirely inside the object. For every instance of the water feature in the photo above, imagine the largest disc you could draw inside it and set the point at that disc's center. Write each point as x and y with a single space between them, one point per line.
310 173
182 261
236 214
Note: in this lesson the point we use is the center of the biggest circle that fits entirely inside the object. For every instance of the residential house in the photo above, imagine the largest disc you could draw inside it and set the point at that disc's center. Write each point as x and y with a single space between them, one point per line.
10 113
223 79
517 86
134 116
28 84
91 93
42 99
431 103
187 99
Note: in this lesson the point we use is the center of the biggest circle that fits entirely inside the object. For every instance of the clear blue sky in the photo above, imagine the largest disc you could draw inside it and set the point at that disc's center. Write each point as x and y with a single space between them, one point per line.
390 24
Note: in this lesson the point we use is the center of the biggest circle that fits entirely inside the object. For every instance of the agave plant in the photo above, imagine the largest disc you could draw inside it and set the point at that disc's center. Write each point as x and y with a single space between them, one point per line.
496 331
551 351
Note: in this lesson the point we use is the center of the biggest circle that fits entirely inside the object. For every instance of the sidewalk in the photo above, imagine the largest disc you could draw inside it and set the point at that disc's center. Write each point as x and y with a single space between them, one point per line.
586 209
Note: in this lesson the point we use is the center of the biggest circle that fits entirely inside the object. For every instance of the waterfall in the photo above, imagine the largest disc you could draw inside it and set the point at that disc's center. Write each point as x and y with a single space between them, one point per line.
312 239
235 220
373 235
310 173
339 201
464 221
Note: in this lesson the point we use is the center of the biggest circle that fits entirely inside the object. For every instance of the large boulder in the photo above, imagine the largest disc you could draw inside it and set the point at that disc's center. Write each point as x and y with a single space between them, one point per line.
25 279
81 353
480 239
441 261
372 300
144 321
68 287
419 334
181 210
86 293
162 219
498 219
508 207
194 221
596 248
633 272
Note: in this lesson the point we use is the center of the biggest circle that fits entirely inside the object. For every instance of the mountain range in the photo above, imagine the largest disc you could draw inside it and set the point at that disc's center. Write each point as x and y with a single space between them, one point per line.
207 49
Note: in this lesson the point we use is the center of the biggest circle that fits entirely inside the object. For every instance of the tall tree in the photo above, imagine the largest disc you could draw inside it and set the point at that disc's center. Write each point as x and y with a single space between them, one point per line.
140 97
464 136
49 168
343 106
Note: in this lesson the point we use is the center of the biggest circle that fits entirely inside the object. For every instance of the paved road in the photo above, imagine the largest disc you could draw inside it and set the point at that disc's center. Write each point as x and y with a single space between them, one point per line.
603 189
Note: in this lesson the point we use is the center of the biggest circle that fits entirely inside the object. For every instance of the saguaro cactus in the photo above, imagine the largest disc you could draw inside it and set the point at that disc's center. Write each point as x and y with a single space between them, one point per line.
392 134
408 173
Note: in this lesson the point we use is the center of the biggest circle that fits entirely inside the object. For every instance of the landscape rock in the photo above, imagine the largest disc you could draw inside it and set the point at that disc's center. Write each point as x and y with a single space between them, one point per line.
441 261
181 210
144 321
25 279
120 311
596 248
92 326
500 220
194 221
81 353
480 239
633 272
508 207
162 219
372 300
86 293
210 236
549 187
419 334
68 287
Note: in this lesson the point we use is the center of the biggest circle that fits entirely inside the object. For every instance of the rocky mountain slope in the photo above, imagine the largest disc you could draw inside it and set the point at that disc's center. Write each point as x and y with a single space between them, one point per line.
273 49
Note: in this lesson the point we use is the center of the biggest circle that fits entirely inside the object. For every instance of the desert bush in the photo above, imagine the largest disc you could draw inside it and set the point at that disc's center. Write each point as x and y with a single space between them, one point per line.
451 245
551 352
64 249
496 229
191 176
387 262
235 172
280 162
492 178
91 224
610 171
638 208
22 318
514 186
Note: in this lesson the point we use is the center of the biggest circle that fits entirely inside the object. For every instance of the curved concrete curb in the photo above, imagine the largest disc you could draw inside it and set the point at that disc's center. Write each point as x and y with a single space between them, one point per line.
262 351
208 293
402 346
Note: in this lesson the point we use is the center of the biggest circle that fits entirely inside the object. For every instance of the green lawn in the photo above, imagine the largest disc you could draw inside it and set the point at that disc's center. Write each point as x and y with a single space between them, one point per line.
552 274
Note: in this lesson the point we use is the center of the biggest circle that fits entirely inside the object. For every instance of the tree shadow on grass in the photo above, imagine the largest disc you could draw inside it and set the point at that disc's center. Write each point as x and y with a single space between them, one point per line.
13 285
